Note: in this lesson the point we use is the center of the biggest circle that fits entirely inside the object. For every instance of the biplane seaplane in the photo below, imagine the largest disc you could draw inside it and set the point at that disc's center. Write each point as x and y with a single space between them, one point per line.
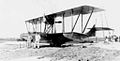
44 26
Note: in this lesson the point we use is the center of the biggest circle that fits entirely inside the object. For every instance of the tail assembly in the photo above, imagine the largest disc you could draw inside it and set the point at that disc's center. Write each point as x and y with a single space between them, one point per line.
92 32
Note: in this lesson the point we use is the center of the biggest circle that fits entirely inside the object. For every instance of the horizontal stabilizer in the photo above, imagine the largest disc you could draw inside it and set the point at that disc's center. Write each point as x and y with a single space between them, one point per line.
102 28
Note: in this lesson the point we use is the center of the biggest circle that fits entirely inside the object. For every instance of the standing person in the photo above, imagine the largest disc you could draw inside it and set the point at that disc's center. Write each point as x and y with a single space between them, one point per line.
37 39
106 39
116 39
29 39
119 38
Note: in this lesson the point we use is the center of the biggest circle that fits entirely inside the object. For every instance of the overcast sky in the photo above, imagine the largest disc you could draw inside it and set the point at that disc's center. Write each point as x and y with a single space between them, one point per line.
13 13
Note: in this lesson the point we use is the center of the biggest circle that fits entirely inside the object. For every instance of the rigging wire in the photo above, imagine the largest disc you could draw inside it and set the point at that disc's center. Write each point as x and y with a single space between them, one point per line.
106 22
102 27
95 21
88 20
102 24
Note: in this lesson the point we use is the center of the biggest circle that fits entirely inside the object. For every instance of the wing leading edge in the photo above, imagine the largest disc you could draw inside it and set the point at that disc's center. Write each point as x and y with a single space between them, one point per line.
75 11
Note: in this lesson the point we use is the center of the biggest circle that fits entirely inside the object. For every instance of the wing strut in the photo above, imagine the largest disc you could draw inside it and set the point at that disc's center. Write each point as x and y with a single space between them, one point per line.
75 22
72 18
40 25
81 23
33 27
45 28
27 27
63 30
88 20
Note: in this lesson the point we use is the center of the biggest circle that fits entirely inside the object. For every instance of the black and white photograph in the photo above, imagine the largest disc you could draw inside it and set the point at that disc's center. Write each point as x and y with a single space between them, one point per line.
59 30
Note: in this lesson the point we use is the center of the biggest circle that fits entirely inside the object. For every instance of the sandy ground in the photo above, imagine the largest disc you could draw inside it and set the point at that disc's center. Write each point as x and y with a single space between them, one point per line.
16 51
109 45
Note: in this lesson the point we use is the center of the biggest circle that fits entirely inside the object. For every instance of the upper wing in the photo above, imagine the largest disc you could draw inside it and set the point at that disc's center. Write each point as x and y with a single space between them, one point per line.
74 11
